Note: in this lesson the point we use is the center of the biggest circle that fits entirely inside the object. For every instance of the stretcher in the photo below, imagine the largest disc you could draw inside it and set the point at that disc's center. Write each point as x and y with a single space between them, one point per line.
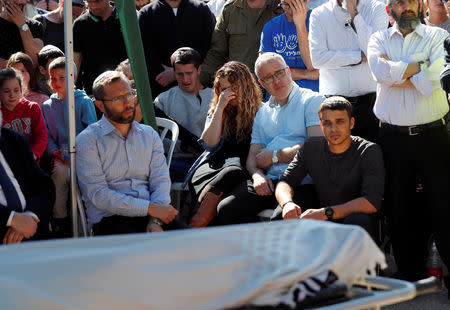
231 267
376 292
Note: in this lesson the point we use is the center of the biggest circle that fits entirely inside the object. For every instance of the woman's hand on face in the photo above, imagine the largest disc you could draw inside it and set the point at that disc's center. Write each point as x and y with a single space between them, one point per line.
225 97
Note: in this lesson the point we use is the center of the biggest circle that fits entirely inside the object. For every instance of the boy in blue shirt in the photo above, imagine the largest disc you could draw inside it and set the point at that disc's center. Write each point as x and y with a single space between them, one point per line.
55 112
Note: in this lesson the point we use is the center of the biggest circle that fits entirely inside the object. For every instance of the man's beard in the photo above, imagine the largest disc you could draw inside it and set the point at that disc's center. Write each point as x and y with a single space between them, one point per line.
406 22
118 117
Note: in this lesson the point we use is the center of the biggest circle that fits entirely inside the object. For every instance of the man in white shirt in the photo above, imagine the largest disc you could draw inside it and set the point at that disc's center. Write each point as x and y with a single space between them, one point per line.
338 35
406 61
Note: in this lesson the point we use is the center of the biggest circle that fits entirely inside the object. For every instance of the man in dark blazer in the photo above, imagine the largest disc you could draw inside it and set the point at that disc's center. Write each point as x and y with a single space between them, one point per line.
35 191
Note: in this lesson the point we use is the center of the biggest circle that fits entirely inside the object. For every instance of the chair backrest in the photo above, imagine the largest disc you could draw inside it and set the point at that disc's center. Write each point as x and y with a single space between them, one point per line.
167 125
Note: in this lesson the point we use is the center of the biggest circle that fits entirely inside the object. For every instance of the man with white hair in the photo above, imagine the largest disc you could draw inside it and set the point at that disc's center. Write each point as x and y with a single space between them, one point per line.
406 61
280 127
121 167
27 194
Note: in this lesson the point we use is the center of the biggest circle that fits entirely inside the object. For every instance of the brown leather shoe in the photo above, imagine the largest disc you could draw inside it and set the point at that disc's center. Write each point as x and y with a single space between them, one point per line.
206 211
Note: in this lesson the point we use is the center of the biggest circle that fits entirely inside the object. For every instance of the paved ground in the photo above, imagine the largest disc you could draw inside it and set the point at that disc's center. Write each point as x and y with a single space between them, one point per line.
433 301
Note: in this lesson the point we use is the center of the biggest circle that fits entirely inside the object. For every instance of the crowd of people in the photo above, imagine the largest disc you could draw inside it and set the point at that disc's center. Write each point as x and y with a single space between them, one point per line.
353 126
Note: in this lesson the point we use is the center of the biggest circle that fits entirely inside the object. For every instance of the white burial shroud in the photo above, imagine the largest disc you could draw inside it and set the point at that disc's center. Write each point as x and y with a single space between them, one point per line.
210 268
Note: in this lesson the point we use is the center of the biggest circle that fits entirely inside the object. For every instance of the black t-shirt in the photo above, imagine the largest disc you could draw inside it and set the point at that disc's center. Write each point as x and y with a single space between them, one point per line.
10 40
53 33
100 44
339 178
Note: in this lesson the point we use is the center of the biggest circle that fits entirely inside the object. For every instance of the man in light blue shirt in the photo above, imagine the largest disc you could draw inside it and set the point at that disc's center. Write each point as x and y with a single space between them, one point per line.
121 168
280 127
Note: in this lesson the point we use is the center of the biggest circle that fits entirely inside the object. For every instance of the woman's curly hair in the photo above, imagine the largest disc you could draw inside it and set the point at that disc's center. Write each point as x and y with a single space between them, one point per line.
238 119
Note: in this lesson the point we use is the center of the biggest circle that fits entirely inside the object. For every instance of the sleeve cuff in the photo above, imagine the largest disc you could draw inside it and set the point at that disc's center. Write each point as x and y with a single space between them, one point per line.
397 69
11 215
422 84
208 147
142 207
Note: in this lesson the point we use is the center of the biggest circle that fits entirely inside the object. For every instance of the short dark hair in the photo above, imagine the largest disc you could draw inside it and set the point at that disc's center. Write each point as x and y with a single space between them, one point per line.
185 56
48 52
336 103
106 78
60 63
10 74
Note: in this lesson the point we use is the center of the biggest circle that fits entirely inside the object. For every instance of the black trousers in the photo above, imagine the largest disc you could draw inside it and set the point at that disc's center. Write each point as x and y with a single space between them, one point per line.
116 224
409 223
306 197
366 123
243 204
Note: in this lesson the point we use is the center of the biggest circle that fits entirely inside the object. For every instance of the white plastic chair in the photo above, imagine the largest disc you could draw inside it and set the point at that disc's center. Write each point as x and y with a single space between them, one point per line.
167 125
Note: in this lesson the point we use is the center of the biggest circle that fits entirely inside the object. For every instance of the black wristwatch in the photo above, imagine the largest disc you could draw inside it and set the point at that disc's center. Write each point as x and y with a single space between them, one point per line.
329 212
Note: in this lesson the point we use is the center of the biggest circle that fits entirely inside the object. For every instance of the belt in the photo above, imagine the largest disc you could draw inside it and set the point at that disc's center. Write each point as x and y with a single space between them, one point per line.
413 130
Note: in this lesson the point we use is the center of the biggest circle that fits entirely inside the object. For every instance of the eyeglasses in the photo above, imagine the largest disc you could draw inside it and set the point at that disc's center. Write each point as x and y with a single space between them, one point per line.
278 74
121 99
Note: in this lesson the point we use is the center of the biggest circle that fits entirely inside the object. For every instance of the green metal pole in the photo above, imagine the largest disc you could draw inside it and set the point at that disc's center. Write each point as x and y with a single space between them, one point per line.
135 51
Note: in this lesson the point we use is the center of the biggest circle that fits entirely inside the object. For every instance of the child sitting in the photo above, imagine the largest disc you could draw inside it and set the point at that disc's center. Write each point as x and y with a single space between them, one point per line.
55 111
19 114
46 55
23 63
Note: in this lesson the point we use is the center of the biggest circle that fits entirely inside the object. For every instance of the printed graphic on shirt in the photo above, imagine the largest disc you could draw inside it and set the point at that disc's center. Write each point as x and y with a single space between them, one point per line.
22 125
286 45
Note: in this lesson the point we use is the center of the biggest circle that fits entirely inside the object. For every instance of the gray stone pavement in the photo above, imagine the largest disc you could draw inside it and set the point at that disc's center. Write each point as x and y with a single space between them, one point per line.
433 301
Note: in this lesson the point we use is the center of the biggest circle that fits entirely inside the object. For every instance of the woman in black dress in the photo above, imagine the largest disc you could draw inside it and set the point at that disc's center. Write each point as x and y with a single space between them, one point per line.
226 139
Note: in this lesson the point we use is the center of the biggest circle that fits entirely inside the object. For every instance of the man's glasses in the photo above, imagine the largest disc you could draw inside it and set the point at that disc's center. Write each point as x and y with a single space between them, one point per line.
278 74
121 99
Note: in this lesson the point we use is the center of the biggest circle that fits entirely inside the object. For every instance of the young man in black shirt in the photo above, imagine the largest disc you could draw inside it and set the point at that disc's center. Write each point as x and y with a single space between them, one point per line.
347 171
98 44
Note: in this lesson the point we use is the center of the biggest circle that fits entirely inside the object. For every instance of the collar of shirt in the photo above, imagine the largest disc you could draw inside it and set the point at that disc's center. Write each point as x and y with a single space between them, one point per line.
273 103
97 19
107 127
165 4
337 8
420 30
244 5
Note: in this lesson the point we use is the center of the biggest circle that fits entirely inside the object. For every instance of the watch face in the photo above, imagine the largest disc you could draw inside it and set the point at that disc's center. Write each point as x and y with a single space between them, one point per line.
329 213
25 27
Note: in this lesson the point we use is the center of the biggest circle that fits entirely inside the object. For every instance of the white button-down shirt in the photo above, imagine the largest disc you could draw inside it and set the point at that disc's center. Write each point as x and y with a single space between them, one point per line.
336 48
16 186
408 106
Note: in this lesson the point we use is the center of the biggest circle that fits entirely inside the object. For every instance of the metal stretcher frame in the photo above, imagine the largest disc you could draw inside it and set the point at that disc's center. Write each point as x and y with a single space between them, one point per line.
375 292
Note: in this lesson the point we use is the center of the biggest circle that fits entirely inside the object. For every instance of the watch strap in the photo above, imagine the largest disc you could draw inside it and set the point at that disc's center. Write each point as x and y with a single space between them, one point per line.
329 212
274 157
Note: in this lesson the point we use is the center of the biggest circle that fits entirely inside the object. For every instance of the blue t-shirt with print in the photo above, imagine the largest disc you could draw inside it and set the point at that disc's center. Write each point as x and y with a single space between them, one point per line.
280 36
